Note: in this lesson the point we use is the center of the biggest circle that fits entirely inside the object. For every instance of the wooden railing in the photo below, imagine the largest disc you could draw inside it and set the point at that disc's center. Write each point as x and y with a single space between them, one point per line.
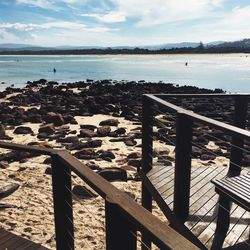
184 120
123 216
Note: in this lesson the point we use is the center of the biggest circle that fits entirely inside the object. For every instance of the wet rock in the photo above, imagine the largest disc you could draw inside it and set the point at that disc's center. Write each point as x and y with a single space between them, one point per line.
87 133
109 122
48 129
23 130
83 192
107 155
113 174
103 131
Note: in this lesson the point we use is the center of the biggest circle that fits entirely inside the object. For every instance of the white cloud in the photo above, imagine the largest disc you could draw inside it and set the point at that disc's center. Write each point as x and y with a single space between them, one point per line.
156 12
111 17
36 3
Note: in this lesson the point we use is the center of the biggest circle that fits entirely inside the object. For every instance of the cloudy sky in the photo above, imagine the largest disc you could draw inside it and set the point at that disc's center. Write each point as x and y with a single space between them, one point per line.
122 22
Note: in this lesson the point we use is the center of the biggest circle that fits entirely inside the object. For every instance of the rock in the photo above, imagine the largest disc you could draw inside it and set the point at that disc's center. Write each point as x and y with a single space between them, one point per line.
87 126
69 139
103 131
2 130
134 155
105 154
8 190
113 174
83 192
207 157
109 122
86 154
87 133
134 163
4 164
47 161
56 119
120 131
23 130
130 143
48 171
93 166
48 129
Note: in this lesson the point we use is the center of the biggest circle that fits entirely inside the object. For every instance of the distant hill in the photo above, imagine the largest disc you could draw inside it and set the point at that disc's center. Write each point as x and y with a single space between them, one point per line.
18 47
242 46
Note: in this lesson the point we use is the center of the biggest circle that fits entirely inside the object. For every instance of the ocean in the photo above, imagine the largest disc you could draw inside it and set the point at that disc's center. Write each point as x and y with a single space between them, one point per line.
230 72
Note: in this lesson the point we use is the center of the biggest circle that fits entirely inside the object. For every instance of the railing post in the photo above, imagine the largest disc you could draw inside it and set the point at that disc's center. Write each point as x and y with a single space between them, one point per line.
147 151
240 113
120 233
183 152
62 197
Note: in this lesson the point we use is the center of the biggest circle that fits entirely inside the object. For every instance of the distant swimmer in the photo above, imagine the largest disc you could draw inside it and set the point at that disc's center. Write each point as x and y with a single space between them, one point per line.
186 63
54 70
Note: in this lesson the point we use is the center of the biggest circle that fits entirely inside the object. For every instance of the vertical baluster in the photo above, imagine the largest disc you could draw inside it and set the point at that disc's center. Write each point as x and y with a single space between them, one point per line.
147 144
182 166
120 233
62 198
240 113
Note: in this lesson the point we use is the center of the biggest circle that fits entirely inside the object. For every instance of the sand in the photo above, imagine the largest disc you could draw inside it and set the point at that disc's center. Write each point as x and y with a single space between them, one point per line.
33 216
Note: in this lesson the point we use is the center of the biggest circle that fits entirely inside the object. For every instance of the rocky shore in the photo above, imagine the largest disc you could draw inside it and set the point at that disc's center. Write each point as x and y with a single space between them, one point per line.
99 122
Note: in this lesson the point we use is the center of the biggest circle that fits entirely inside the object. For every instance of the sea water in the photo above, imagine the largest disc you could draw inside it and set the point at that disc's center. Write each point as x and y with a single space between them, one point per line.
230 72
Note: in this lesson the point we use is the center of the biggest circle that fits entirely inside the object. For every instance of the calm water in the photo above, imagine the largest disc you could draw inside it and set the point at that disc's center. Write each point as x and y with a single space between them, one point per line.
229 72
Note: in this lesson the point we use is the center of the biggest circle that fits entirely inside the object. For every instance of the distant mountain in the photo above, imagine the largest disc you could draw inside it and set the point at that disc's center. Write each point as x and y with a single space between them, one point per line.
243 44
18 47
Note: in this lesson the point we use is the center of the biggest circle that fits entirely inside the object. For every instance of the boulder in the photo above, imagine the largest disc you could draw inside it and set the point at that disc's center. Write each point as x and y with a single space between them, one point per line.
83 192
87 133
23 130
87 126
56 119
109 122
86 154
103 131
47 129
113 174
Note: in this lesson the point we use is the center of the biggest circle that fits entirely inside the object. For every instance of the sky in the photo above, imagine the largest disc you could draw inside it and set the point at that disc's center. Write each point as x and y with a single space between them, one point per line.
122 22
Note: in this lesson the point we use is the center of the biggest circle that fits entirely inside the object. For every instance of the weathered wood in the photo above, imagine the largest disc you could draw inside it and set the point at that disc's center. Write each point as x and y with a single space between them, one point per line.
240 114
147 150
120 233
182 166
62 197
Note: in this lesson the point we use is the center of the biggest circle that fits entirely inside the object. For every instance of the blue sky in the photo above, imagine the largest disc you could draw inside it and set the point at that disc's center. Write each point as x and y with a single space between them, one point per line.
122 22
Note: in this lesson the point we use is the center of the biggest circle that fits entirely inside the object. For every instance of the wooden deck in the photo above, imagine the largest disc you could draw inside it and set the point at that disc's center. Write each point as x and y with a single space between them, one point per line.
203 204
10 241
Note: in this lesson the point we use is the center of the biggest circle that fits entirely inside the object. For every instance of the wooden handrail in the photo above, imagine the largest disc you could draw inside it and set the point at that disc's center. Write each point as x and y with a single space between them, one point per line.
159 232
229 129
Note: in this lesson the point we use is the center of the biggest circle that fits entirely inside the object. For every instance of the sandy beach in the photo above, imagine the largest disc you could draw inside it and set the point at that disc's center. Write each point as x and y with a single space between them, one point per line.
115 145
